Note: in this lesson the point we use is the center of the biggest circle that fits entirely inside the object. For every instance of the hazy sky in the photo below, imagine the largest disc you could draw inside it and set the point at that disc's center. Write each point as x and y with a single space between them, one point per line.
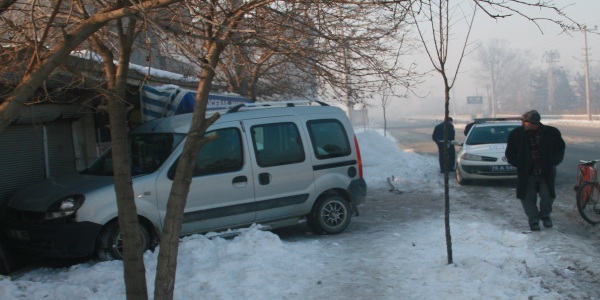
524 34
519 34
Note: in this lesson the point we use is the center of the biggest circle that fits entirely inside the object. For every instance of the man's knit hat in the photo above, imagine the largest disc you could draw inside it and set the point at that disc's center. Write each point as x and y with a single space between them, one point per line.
532 116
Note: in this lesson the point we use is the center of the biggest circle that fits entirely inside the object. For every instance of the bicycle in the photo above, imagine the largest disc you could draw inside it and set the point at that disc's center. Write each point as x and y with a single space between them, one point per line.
588 191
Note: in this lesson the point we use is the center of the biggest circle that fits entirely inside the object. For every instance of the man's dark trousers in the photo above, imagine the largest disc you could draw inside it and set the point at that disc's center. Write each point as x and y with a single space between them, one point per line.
537 185
451 156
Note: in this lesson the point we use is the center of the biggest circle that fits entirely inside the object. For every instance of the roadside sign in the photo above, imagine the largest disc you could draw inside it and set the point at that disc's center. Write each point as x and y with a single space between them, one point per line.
475 100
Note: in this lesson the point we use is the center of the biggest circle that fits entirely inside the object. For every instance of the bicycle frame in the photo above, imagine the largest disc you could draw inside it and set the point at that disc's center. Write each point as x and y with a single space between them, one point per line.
587 191
586 172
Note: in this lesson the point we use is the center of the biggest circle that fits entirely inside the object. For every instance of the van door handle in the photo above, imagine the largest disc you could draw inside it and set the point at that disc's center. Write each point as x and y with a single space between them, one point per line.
264 178
240 181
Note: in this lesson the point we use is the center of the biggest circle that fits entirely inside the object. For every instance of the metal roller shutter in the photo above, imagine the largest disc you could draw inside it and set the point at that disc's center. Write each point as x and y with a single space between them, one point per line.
22 155
21 158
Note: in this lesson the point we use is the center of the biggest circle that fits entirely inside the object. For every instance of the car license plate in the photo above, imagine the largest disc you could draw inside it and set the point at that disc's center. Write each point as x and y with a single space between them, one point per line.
18 234
503 168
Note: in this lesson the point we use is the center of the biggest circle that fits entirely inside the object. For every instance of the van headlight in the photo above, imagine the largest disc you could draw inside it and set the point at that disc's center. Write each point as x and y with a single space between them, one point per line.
468 156
65 207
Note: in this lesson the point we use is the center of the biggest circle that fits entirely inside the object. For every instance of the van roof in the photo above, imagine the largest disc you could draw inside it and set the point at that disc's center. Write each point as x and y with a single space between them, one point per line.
181 123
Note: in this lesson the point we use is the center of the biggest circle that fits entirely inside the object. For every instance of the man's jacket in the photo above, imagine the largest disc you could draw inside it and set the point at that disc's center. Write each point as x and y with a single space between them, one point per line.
438 133
518 154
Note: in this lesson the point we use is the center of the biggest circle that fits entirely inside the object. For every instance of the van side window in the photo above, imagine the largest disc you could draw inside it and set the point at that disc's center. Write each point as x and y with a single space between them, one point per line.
222 155
329 138
277 144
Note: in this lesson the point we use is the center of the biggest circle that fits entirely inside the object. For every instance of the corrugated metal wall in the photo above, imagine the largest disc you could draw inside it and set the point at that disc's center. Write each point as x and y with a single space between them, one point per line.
22 155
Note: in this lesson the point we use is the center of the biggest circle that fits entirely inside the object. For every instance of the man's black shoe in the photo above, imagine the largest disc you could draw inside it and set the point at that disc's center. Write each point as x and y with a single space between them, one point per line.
547 222
534 227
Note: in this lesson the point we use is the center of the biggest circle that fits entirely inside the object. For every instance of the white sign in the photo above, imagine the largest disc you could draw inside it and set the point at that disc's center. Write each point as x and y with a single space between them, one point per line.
475 100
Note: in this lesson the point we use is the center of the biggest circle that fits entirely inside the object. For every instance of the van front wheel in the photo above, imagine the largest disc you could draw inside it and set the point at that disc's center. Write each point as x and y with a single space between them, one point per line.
110 241
331 215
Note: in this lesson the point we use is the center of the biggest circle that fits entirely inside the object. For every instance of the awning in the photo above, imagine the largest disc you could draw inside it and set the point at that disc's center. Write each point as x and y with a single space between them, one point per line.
41 113
168 100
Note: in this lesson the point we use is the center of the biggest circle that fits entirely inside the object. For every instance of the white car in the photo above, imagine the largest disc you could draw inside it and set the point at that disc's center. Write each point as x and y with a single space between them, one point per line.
482 153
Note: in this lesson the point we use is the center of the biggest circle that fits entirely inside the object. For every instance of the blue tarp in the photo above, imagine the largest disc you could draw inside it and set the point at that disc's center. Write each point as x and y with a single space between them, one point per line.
168 100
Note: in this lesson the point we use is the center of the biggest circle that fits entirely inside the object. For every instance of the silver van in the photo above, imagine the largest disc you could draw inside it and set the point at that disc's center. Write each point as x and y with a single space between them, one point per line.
274 165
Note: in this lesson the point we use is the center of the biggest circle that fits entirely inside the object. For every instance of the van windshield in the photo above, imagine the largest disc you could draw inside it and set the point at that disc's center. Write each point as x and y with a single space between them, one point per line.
147 153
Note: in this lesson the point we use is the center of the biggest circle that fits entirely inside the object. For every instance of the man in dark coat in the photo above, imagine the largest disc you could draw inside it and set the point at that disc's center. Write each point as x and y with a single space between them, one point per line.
535 149
438 138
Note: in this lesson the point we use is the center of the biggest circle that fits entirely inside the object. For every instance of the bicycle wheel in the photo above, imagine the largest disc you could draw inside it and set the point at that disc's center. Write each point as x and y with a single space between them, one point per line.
588 202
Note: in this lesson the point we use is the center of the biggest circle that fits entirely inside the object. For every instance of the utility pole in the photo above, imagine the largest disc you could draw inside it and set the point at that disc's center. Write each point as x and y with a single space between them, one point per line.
551 57
588 98
493 89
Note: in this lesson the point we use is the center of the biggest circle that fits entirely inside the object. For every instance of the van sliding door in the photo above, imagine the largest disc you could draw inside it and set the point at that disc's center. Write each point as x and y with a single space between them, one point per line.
282 168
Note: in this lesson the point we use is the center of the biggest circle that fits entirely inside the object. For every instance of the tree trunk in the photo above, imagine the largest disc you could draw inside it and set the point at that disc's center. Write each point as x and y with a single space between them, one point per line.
129 226
133 260
446 168
115 94
169 244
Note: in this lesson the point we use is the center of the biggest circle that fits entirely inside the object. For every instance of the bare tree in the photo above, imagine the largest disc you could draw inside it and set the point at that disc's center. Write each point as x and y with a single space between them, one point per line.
270 25
360 54
440 16
388 93
5 4
49 54
504 70
117 107
264 73
52 35
385 102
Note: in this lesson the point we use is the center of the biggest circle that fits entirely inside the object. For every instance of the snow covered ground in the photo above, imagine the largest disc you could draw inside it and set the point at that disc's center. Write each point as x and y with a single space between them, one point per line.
394 250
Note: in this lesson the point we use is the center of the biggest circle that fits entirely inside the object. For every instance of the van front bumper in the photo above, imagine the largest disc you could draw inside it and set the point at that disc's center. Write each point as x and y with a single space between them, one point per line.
50 239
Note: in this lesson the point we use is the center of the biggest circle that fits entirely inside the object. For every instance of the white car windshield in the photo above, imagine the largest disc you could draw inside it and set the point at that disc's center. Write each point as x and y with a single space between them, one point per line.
490 134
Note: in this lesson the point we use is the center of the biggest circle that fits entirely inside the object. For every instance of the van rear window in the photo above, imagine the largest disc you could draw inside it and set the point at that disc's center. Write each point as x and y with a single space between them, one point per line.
329 138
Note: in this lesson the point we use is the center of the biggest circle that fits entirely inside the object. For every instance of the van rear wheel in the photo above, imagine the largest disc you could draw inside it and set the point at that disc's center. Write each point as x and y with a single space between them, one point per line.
331 215
110 241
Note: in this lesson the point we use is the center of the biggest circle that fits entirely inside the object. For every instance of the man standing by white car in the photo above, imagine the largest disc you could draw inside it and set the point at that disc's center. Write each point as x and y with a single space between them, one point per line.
438 138
535 150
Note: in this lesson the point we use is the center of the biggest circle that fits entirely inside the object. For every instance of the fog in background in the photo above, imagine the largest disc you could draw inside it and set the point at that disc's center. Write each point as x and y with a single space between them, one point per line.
520 34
